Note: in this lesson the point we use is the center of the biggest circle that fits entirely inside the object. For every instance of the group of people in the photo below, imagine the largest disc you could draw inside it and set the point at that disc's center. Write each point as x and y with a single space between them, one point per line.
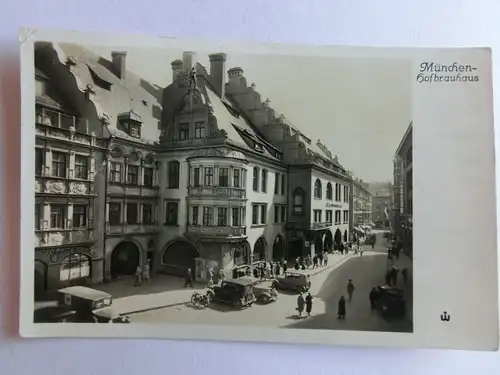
391 276
142 274
318 260
268 269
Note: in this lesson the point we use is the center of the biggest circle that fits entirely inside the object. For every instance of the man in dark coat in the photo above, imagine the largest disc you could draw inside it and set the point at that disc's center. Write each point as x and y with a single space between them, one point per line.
189 278
309 304
341 308
388 278
373 297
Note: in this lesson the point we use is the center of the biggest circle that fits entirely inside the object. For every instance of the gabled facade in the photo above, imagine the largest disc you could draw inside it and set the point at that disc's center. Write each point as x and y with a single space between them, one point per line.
361 206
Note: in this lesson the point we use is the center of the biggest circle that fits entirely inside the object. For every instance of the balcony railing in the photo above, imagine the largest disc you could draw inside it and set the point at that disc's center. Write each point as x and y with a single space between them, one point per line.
216 191
116 229
51 185
63 237
216 231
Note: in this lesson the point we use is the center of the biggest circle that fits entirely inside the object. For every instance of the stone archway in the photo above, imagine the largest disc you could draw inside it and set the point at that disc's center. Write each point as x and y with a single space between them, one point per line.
338 237
178 257
279 248
345 236
125 259
328 241
40 278
259 249
295 248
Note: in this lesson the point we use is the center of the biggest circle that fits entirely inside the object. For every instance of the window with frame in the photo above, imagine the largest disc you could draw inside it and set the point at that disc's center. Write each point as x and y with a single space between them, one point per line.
208 178
283 214
199 130
115 172
264 181
133 175
134 128
221 216
329 216
132 213
337 192
298 200
57 216
277 215
263 213
276 183
316 215
148 176
75 266
38 224
337 217
208 215
59 160
224 177
283 184
79 216
255 179
194 215
183 131
115 213
196 177
236 216
346 193
81 167
255 214
147 213
171 211
236 178
173 174
346 216
39 161
317 189
329 191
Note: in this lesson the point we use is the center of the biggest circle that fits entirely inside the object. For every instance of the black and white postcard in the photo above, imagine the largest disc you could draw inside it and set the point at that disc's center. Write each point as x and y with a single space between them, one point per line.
224 191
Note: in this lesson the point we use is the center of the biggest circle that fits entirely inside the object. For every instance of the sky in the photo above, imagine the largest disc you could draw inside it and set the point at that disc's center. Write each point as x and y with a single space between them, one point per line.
359 108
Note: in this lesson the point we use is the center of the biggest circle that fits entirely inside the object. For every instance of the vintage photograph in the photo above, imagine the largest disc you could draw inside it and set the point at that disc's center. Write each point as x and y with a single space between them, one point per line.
217 188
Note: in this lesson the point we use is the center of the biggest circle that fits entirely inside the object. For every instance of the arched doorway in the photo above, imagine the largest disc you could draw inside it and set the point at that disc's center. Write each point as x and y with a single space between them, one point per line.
241 254
259 249
345 236
318 243
328 241
125 258
295 248
75 269
279 248
40 278
178 257
338 237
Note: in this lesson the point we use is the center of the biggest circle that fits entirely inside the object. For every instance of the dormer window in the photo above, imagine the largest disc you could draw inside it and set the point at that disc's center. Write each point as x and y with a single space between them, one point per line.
258 147
131 124
199 130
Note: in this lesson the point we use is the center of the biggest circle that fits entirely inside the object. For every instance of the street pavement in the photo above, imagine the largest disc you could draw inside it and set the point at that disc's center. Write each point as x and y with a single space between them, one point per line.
327 287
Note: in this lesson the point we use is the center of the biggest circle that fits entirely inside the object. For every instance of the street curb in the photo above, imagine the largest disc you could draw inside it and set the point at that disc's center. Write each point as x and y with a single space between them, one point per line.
323 269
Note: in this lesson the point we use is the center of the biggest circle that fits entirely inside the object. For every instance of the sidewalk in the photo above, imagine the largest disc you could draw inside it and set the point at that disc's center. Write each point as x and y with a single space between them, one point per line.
158 299
405 262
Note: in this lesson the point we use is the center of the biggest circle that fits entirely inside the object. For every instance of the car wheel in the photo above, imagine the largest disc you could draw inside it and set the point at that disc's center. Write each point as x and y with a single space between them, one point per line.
265 299
275 284
193 300
237 304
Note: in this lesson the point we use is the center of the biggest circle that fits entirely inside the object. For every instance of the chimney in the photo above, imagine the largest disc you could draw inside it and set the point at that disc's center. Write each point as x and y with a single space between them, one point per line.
120 63
218 72
188 58
176 69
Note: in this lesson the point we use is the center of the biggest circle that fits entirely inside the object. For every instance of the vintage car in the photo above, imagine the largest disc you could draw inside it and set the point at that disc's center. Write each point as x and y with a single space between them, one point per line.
85 302
293 280
263 290
237 292
390 302
109 315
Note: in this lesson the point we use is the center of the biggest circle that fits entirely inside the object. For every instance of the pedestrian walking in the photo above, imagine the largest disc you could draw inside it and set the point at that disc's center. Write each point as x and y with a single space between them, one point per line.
138 277
325 259
210 278
303 267
350 289
320 259
300 304
262 271
146 274
341 308
361 250
221 275
404 273
341 248
315 261
189 278
256 272
285 266
388 277
308 261
297 264
277 269
373 295
309 304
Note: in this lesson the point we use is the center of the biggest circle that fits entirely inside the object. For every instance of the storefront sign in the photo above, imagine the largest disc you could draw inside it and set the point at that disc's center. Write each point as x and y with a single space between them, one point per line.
333 205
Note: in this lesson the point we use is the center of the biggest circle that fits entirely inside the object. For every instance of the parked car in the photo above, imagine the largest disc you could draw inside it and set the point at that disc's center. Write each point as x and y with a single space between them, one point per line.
390 302
237 292
293 280
263 290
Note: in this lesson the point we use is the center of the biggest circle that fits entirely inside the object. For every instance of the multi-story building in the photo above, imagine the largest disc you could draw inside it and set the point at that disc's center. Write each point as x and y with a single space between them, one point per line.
69 171
382 203
403 192
201 174
360 205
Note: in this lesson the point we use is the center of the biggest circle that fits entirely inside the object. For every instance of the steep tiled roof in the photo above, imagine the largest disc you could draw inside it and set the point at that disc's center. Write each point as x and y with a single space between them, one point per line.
114 96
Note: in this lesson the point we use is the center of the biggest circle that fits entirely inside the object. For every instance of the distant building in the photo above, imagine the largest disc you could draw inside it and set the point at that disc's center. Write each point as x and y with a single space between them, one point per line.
403 191
381 203
361 205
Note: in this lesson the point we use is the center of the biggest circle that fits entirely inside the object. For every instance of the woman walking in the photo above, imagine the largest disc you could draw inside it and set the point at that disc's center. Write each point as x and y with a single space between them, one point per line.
309 304
300 304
